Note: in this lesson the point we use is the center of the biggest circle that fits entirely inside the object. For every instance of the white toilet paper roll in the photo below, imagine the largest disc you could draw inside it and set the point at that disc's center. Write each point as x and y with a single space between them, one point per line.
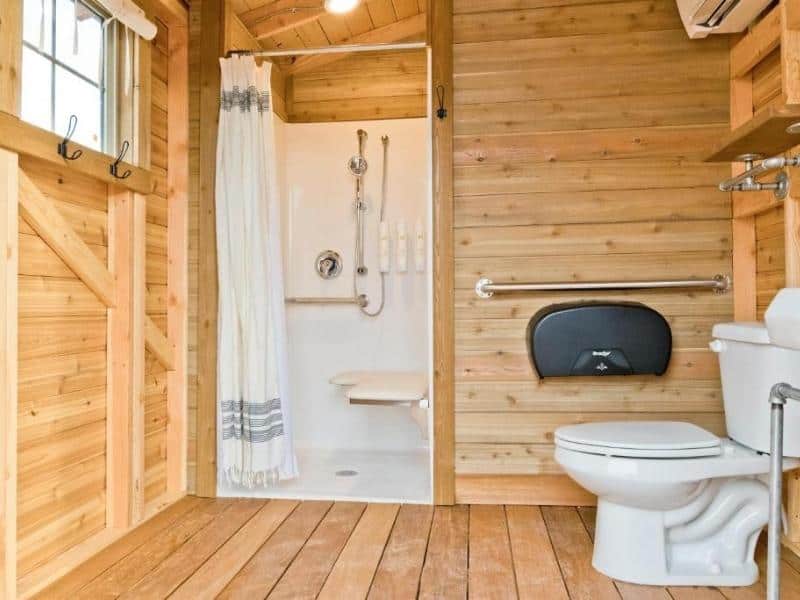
402 247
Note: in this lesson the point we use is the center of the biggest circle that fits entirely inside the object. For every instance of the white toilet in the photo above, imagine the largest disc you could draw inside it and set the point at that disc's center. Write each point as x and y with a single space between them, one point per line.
676 504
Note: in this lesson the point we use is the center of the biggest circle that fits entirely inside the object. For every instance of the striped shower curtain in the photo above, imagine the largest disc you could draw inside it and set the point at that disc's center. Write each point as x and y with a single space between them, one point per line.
255 443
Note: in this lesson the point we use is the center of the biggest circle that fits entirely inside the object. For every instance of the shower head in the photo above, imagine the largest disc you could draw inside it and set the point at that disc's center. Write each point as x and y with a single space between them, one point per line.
358 164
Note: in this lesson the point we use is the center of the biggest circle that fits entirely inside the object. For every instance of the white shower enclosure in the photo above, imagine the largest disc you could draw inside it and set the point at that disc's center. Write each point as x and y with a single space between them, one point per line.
374 451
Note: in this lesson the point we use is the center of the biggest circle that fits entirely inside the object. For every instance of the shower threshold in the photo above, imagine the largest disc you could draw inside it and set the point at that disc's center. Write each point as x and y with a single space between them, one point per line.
362 475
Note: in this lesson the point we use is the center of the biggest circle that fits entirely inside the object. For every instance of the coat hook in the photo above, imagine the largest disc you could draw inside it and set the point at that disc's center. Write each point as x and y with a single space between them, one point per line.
113 168
441 112
62 146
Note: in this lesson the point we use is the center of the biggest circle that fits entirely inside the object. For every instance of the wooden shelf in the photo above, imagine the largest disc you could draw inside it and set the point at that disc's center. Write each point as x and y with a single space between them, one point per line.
764 134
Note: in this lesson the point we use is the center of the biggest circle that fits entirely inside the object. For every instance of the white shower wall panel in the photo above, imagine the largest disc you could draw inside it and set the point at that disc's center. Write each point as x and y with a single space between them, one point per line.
317 199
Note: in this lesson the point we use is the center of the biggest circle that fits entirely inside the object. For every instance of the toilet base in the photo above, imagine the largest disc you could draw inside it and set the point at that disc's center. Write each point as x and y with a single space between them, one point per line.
709 542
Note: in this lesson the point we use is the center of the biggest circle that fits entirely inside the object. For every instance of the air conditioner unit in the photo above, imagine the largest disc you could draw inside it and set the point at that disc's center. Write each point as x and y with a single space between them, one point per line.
702 17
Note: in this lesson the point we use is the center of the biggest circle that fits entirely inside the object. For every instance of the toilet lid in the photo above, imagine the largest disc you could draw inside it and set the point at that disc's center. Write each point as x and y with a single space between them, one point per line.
642 439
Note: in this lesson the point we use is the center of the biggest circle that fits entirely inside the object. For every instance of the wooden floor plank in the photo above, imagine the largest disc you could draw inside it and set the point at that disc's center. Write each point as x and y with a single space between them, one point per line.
190 557
306 575
444 575
573 549
226 562
130 570
352 574
491 571
535 564
790 579
66 586
397 577
265 568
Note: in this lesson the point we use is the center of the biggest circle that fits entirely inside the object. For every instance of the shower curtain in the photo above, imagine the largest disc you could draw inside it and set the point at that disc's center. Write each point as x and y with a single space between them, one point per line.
255 446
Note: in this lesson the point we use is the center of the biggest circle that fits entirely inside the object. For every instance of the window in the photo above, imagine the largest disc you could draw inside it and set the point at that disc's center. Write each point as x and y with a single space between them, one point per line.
66 69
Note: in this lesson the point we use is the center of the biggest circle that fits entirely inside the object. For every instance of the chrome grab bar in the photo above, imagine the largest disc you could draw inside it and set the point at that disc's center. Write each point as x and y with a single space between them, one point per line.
778 395
486 288
360 300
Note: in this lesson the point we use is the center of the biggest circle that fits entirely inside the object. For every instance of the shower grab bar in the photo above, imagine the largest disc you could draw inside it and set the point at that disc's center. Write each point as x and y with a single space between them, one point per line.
486 288
360 300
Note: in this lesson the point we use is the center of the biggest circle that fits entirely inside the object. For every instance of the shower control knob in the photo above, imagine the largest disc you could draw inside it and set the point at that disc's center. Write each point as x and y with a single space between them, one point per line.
328 264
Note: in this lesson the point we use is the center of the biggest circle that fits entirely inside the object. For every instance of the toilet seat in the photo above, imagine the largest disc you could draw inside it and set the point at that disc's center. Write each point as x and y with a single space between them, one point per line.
639 439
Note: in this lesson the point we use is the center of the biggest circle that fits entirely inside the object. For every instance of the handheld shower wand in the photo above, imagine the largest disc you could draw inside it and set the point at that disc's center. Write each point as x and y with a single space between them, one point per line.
358 166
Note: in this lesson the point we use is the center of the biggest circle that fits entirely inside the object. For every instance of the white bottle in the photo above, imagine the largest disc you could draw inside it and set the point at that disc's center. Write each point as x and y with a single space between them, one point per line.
402 247
419 247
383 247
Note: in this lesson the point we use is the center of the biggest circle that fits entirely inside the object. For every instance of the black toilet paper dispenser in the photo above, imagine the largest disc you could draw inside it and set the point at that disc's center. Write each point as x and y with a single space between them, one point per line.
599 338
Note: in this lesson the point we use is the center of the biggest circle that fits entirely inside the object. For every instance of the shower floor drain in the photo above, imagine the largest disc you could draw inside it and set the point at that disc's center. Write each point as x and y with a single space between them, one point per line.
346 473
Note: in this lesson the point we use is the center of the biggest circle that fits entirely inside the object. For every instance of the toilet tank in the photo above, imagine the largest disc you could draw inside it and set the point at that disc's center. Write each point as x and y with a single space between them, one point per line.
749 366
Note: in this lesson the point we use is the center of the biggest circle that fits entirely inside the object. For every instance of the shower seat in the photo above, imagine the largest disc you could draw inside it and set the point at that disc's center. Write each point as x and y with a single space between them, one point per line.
388 388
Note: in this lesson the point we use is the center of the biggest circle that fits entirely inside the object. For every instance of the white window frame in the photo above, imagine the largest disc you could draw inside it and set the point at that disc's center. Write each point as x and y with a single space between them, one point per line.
108 77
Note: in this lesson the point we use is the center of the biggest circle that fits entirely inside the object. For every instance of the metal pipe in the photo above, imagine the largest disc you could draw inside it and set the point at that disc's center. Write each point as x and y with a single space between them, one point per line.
486 288
778 395
344 48
746 181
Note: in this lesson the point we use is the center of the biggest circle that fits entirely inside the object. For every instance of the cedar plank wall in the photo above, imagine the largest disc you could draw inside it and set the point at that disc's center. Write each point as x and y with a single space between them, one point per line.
155 418
579 128
362 86
62 378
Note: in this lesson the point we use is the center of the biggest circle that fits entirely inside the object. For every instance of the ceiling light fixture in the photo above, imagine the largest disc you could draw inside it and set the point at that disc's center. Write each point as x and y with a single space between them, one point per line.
340 7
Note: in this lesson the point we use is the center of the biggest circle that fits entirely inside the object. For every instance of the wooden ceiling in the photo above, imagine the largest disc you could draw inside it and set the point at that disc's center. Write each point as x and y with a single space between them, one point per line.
290 24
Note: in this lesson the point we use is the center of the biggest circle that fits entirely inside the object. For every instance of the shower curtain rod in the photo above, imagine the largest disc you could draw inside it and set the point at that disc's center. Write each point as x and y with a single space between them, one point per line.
331 49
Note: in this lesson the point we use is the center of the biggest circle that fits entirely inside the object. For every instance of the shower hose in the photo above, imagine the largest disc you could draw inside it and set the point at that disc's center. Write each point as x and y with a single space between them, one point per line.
363 307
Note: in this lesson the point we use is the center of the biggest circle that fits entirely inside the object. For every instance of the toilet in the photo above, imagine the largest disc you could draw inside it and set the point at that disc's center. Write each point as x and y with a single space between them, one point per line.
678 505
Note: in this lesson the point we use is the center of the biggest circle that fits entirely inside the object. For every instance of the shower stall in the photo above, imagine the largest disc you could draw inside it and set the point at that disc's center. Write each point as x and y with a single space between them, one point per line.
356 221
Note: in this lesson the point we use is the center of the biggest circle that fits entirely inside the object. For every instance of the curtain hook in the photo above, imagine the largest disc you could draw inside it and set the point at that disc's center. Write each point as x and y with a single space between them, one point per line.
113 168
62 146
441 112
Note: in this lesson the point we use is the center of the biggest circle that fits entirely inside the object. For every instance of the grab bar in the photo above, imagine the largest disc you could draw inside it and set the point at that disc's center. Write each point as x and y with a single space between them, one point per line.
360 300
486 288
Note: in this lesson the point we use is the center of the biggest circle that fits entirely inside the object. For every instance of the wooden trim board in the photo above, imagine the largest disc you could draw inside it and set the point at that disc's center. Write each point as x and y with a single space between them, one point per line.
441 32
554 490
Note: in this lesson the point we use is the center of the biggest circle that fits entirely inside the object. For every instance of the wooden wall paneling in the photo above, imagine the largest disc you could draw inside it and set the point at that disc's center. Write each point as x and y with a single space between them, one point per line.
211 47
177 252
552 182
790 54
441 65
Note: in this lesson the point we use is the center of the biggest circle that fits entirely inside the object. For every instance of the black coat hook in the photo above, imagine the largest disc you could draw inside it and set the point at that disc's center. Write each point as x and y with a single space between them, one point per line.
441 112
113 168
62 146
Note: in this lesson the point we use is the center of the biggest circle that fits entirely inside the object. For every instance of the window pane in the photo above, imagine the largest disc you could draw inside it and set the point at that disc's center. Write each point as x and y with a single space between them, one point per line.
78 97
87 61
35 31
36 89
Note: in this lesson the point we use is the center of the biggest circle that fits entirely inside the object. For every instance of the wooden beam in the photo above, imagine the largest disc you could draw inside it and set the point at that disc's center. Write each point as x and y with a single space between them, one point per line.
10 56
790 54
9 191
42 215
125 373
174 13
757 44
394 32
443 258
212 26
277 17
10 62
24 138
178 254
158 345
792 15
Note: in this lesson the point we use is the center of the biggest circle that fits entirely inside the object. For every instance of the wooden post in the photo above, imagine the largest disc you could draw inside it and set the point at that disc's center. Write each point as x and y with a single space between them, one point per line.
212 43
177 252
441 39
10 64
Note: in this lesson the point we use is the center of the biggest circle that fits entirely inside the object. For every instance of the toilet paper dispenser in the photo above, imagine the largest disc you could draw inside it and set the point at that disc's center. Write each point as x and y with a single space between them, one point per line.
599 338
